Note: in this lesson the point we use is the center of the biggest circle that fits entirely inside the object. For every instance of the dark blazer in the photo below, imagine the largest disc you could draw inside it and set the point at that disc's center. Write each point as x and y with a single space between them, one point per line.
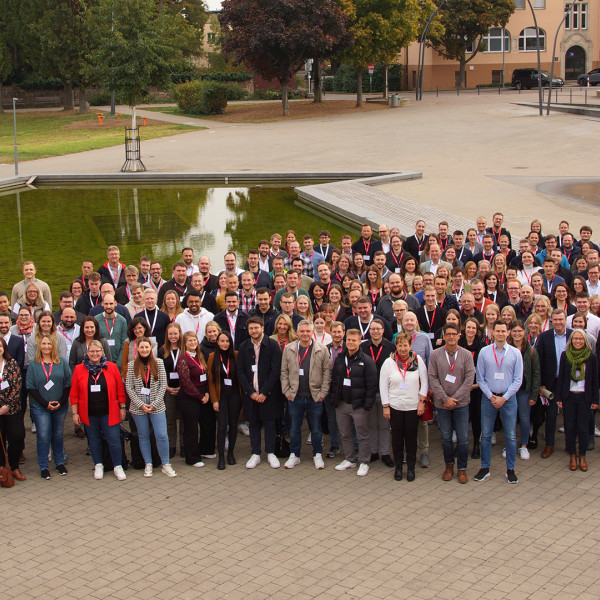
352 323
439 318
359 248
241 331
172 285
327 254
561 393
269 384
464 255
412 245
547 353
106 277
160 327
16 348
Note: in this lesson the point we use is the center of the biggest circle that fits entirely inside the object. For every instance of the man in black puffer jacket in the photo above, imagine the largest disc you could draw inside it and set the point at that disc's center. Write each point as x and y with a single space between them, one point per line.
353 387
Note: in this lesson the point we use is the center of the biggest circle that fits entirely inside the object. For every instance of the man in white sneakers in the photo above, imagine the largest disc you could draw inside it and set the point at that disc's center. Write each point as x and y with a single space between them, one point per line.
305 379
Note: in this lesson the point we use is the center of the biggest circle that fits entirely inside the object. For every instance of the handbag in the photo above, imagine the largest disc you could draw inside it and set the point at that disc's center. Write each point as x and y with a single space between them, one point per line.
428 412
282 446
6 477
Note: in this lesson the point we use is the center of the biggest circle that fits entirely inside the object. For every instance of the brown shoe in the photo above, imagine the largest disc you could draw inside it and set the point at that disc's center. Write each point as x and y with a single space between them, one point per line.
449 472
582 463
462 476
18 475
573 462
547 451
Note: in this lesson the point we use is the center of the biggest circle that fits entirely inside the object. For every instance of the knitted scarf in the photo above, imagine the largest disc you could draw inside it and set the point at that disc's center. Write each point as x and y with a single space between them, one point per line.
577 359
94 368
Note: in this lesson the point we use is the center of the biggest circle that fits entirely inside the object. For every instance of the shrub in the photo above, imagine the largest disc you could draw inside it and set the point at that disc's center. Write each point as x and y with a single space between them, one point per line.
214 76
345 79
235 93
101 98
201 97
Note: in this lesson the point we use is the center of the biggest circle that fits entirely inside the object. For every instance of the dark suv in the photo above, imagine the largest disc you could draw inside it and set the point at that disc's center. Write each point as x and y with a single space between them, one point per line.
528 78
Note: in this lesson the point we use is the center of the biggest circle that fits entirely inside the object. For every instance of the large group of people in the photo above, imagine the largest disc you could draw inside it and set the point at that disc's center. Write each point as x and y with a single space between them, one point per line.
371 341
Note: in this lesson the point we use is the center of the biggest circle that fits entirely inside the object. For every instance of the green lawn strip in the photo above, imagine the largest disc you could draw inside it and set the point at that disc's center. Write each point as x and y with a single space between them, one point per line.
41 136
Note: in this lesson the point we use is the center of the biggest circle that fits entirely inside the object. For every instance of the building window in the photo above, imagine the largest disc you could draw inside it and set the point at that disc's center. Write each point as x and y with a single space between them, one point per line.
528 40
493 40
539 3
519 4
577 18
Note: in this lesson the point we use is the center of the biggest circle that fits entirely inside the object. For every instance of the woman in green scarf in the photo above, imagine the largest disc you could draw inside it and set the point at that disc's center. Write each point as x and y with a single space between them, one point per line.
577 394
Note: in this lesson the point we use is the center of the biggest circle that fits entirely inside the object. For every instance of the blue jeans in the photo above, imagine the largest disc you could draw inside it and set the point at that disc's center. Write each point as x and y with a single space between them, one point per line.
524 415
159 424
49 425
456 419
313 411
508 414
112 434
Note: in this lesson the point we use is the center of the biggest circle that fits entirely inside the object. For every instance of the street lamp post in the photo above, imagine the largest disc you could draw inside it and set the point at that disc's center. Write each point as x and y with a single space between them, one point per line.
421 59
539 60
15 134
568 9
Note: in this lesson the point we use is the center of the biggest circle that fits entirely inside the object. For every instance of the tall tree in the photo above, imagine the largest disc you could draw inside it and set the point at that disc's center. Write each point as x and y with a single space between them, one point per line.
274 37
465 22
135 45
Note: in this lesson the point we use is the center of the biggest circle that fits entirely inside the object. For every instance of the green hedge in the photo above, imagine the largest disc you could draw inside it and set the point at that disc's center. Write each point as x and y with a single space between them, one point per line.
345 79
217 76
201 97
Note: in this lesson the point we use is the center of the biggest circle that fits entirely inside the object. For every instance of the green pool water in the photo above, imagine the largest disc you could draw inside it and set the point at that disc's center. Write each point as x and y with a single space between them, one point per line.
58 228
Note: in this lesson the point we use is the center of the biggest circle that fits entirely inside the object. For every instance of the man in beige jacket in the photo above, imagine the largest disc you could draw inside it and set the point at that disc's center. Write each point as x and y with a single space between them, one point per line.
305 380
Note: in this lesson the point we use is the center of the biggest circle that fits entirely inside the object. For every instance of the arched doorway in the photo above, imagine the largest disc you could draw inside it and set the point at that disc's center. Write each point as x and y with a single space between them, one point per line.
574 62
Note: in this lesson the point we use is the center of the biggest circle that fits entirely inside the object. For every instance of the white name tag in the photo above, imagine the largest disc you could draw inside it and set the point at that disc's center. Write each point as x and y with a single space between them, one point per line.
431 336
498 375
202 377
450 378
404 386
173 375
145 391
111 342
181 298
254 368
4 385
94 387
366 256
300 371
49 385
347 382
397 270
227 382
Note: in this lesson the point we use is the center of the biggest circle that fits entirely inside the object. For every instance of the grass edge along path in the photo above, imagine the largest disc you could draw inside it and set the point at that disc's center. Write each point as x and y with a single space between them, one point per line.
47 134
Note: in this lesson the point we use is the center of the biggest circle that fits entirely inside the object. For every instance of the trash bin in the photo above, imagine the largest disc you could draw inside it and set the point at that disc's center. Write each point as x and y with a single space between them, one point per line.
394 100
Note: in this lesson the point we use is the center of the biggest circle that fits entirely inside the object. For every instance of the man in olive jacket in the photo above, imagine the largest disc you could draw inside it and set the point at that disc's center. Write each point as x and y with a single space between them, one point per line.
305 379
354 385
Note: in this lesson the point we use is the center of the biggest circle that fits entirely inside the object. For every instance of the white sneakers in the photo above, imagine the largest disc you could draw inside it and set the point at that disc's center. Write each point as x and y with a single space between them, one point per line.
148 470
292 461
198 464
119 473
318 460
209 456
244 429
523 453
345 464
363 469
98 471
169 471
309 439
253 461
274 461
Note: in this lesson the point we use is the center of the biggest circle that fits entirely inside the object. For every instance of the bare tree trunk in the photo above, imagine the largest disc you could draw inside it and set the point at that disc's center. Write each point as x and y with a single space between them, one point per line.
462 73
68 97
284 100
359 92
386 80
318 81
82 100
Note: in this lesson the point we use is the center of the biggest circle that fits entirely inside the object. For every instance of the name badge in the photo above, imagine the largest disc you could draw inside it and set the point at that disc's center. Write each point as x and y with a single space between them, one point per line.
300 371
202 377
145 391
111 342
173 375
366 256
397 270
450 378
431 335
181 298
49 385
227 382
94 387
498 375
404 386
347 382
4 385
254 368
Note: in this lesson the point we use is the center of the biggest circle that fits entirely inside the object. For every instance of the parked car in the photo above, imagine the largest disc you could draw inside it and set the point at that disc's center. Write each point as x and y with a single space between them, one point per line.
528 78
594 76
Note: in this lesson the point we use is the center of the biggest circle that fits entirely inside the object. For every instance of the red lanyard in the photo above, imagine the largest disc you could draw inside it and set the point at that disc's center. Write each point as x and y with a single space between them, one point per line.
322 338
453 362
96 377
496 358
113 325
115 277
412 339
430 323
226 369
442 244
376 358
134 348
147 377
197 362
374 296
46 373
231 325
305 353
64 334
92 300
367 246
404 364
420 243
248 305
396 260
181 291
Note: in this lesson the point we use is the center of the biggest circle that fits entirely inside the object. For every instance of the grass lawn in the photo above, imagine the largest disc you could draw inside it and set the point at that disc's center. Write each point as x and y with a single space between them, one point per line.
44 134
266 112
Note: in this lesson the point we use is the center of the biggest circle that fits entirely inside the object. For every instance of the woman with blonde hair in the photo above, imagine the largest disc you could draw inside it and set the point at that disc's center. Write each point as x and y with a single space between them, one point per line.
508 315
490 316
34 301
170 353
543 308
45 325
284 331
303 308
171 305
533 325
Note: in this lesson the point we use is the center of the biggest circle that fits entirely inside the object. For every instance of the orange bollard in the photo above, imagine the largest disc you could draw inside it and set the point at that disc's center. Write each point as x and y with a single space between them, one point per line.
144 121
118 117
100 119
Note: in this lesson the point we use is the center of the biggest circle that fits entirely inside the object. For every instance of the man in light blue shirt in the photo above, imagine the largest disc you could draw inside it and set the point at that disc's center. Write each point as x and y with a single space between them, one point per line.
499 375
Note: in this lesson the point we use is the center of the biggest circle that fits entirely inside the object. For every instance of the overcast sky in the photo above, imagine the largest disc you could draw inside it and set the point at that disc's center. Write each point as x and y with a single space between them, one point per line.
213 4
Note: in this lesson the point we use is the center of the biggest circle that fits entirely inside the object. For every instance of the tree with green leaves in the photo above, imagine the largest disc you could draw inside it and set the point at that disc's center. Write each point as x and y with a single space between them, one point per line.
380 28
274 37
137 44
465 23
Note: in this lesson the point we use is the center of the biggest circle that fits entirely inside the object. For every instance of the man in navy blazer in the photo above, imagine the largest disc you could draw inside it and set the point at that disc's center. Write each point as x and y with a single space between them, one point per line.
549 345
16 347
233 317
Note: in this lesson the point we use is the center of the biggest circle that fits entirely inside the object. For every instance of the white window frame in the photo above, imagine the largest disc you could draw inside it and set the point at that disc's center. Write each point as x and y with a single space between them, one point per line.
504 40
577 19
529 34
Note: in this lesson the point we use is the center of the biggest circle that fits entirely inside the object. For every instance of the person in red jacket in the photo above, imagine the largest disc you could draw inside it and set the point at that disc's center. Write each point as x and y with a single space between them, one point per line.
98 402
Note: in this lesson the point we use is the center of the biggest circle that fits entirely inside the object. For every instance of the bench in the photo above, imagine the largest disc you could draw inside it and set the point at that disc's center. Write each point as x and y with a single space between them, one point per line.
7 103
47 101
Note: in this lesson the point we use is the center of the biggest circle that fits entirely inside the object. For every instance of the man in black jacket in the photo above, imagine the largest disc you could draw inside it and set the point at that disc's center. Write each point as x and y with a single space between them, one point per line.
233 319
259 369
353 389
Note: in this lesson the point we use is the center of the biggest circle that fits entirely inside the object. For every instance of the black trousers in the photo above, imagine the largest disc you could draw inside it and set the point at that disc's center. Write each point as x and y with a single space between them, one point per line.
13 434
194 413
230 406
404 425
576 412
475 414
